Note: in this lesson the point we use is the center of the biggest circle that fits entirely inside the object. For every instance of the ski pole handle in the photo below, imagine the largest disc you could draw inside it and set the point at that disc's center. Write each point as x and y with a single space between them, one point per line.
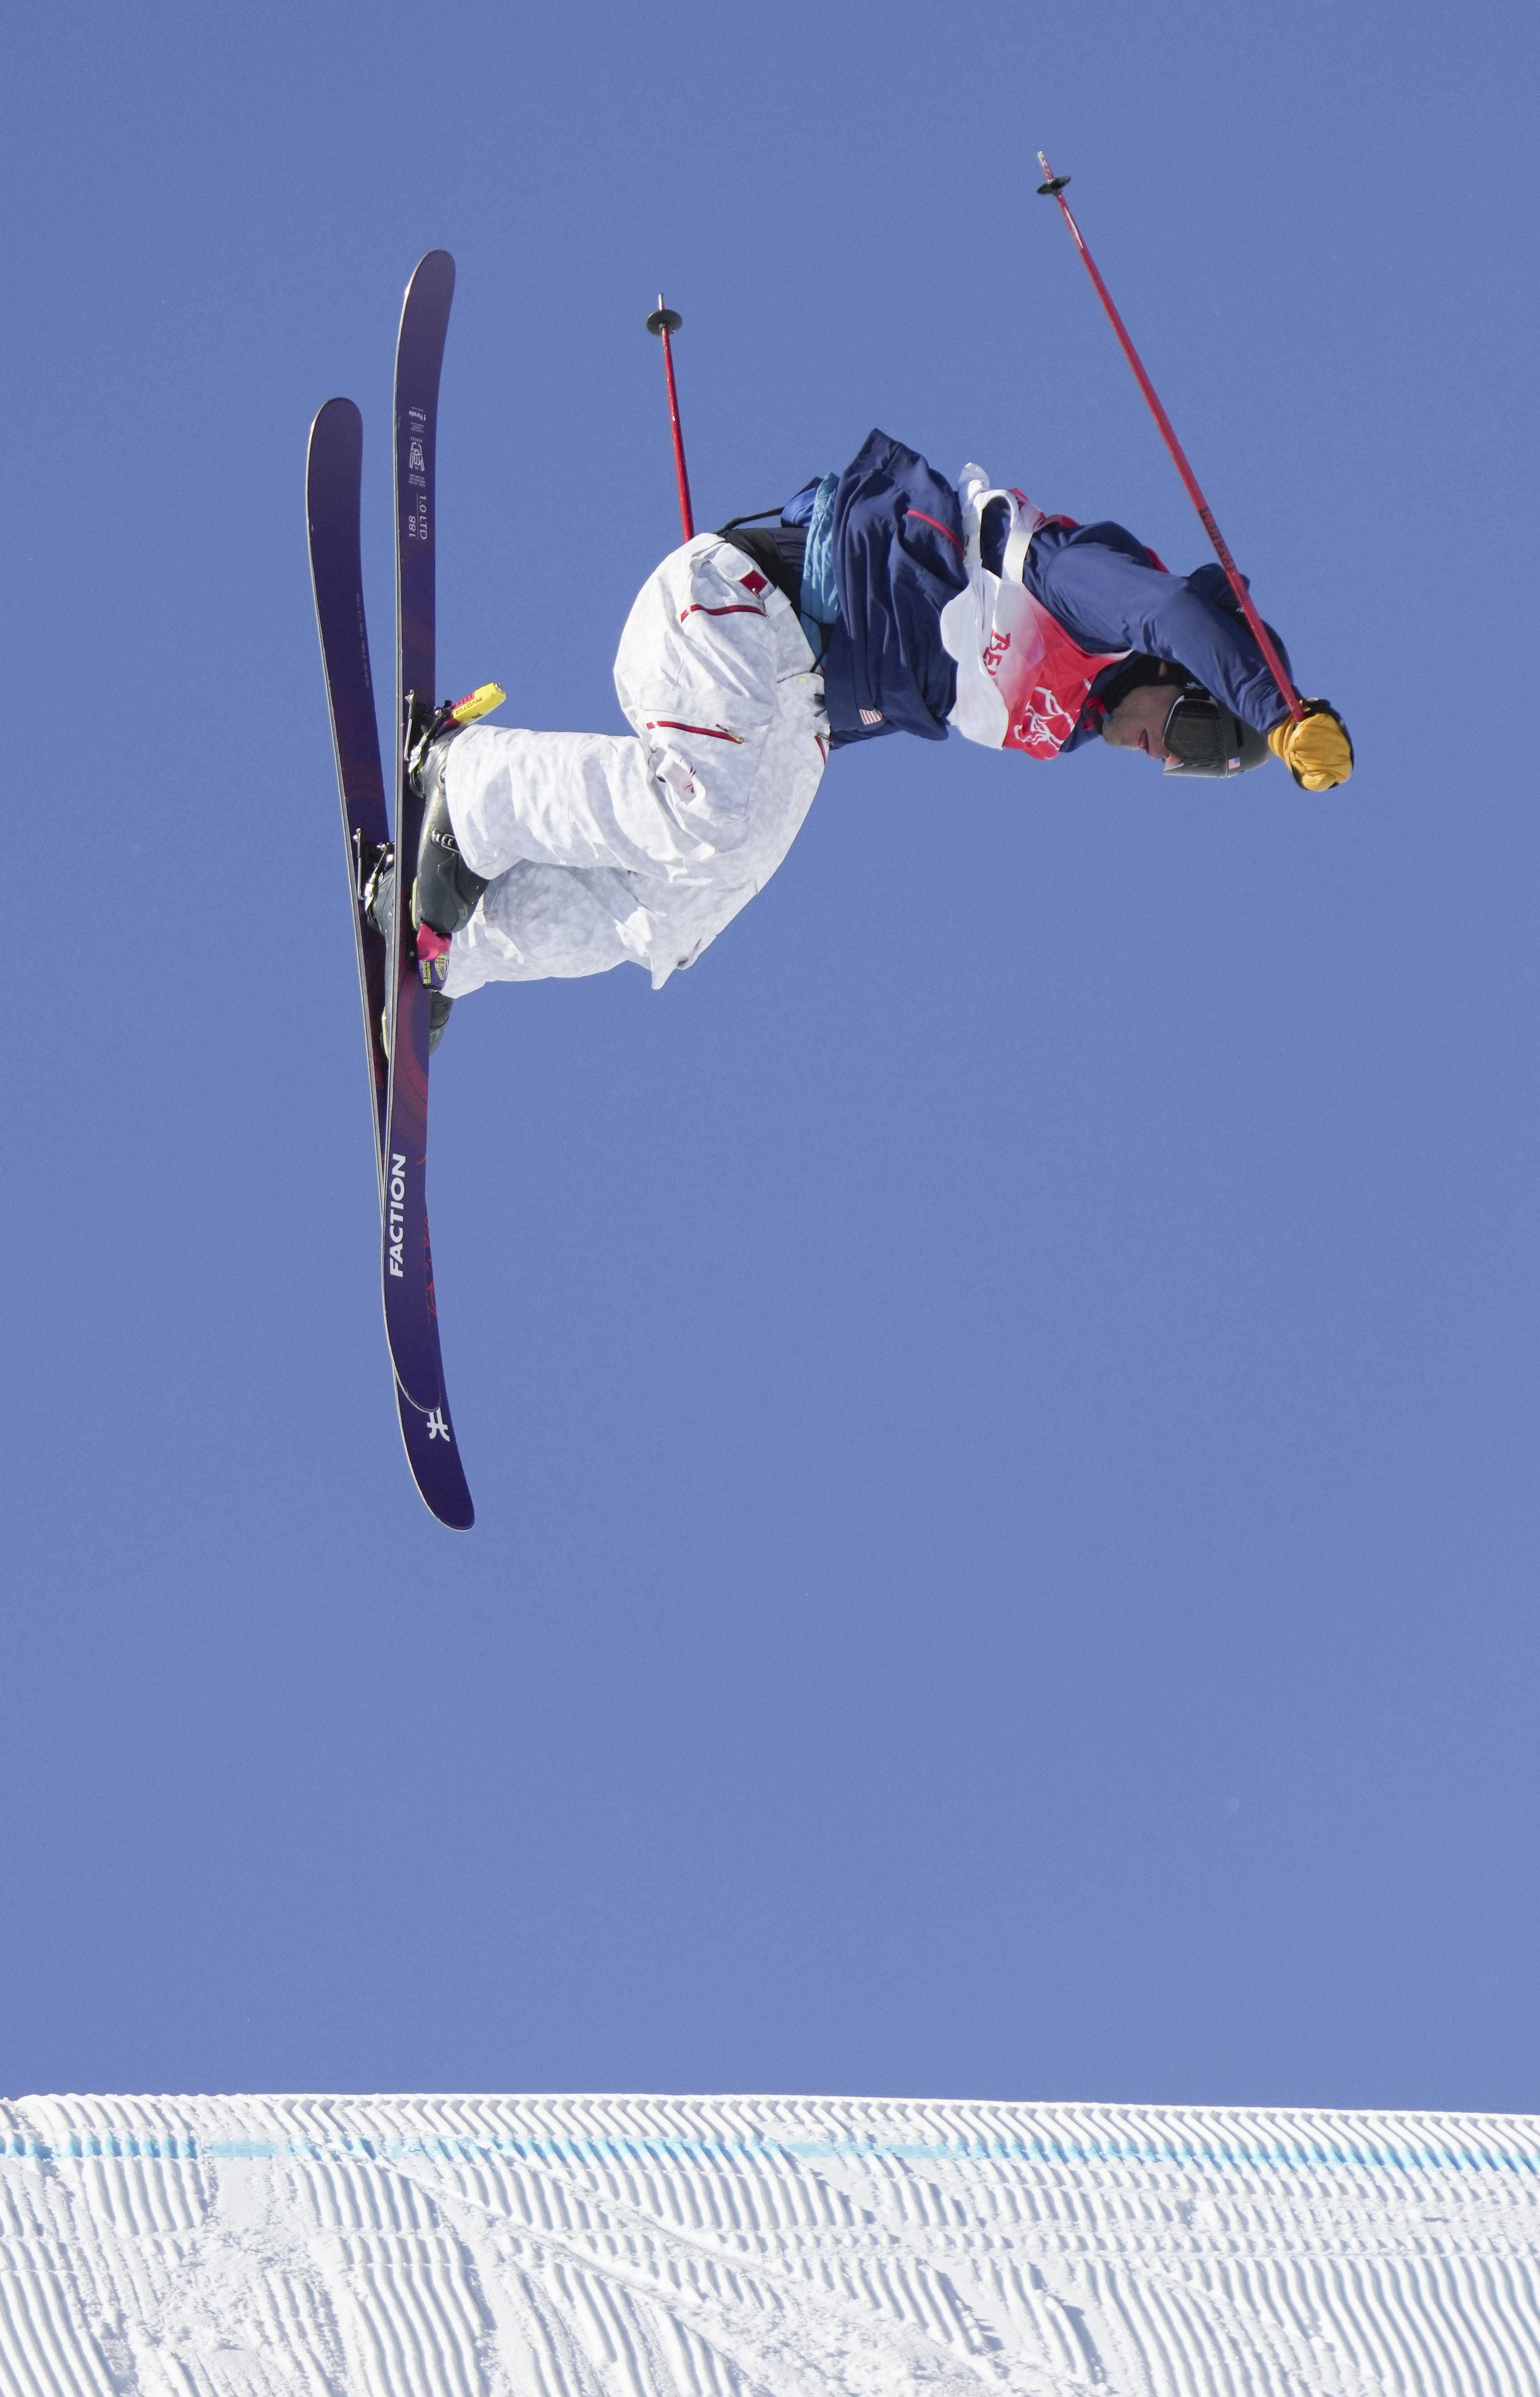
664 321
1053 189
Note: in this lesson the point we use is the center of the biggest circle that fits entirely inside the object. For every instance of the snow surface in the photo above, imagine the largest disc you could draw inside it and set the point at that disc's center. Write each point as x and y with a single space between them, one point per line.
714 2248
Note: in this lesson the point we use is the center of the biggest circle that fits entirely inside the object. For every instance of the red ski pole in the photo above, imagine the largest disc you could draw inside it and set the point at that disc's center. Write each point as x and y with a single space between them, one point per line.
665 321
1054 190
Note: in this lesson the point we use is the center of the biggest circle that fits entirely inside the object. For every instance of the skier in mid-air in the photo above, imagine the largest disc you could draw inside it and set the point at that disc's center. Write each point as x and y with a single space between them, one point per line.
883 601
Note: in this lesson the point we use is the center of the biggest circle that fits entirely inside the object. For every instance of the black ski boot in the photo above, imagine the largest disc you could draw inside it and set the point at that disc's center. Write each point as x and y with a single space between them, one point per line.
379 904
446 891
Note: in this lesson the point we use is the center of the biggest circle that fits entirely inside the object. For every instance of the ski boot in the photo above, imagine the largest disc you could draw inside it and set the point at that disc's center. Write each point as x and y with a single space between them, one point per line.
377 900
445 890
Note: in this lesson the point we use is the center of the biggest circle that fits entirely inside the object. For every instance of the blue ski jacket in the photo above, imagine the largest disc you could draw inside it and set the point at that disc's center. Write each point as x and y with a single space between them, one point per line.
898 555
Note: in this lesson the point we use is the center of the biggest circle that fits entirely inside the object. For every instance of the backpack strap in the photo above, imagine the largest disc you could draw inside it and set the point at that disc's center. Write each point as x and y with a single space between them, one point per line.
777 551
976 493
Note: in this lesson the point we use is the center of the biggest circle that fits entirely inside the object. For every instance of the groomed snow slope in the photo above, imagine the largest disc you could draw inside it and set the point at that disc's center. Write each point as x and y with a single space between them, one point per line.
714 2248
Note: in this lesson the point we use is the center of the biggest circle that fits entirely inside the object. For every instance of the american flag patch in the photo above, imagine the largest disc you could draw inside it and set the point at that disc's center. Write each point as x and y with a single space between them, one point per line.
870 715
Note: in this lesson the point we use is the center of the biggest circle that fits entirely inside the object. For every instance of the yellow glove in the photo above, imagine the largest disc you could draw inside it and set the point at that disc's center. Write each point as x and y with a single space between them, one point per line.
1318 753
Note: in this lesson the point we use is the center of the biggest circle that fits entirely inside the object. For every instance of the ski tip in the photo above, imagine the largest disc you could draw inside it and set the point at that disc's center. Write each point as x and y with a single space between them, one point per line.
434 266
336 432
337 410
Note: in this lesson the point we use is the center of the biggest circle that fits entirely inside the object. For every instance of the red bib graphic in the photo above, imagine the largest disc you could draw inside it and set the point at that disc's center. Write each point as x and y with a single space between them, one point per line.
1022 682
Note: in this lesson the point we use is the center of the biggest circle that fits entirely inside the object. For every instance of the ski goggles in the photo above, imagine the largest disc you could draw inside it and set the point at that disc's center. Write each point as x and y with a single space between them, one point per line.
1206 739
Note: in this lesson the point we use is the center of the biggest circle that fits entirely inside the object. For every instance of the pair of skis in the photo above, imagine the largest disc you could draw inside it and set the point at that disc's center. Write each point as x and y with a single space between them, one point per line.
392 982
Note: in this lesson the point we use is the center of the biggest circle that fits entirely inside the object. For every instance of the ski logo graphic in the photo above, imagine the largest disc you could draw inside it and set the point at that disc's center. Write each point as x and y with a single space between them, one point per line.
437 1427
398 1216
417 474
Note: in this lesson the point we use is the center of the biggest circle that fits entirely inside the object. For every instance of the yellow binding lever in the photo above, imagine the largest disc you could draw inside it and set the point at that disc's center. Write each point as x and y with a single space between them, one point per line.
476 702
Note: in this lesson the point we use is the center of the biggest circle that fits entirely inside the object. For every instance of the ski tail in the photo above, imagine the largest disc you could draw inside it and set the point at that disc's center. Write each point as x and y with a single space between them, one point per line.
427 1434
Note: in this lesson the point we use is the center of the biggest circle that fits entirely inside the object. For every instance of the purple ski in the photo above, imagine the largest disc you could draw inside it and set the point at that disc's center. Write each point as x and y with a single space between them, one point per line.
333 479
407 1262
333 482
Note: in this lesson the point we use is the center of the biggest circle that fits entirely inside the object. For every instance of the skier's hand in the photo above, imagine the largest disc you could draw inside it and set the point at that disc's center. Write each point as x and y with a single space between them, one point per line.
1317 752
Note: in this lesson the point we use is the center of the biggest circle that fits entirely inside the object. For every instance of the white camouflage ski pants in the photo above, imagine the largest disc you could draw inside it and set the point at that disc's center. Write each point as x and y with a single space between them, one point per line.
603 848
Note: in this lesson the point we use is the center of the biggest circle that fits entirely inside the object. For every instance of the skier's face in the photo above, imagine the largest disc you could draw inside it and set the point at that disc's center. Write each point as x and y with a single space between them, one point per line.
1139 721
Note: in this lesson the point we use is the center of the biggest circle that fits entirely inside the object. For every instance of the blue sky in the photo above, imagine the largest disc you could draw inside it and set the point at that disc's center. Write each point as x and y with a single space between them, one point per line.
1002 1405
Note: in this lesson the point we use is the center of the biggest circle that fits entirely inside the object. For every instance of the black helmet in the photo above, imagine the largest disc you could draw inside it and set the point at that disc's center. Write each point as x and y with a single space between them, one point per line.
1207 737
